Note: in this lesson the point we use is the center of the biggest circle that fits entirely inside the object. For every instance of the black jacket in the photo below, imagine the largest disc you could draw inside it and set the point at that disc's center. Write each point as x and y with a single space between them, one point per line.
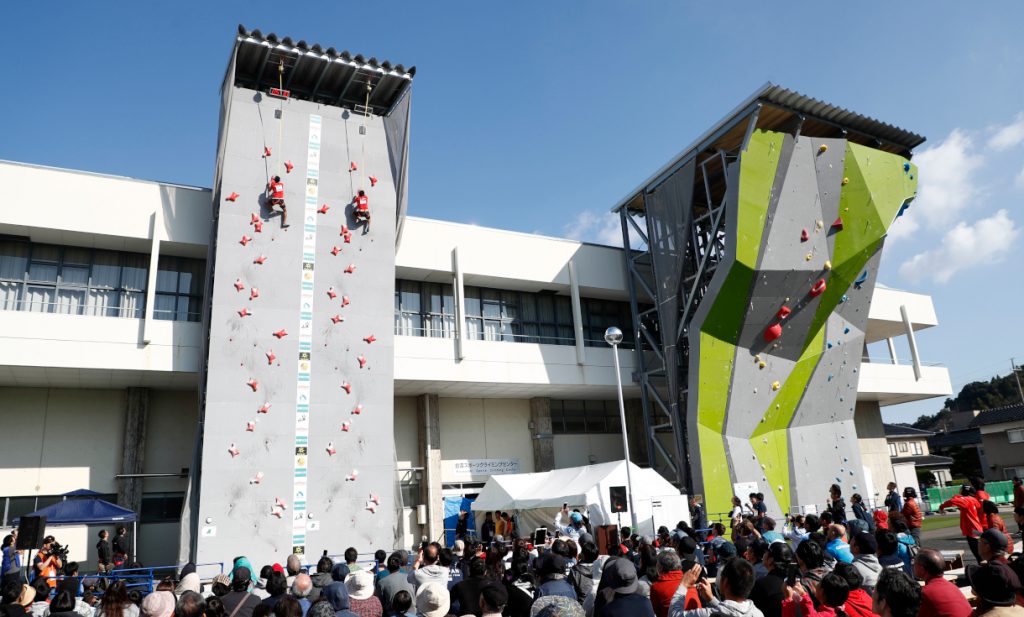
769 592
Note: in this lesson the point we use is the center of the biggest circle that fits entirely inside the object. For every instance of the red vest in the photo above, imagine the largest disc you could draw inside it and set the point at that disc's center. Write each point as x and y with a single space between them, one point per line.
362 202
277 190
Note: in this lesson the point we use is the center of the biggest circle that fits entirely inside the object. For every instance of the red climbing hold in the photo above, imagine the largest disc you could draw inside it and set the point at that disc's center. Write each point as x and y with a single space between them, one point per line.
348 238
773 332
260 260
818 288
344 230
358 410
353 166
331 293
276 513
331 451
350 269
375 499
373 181
255 218
257 478
323 209
239 285
344 301
783 313
345 426
335 250
233 450
252 383
244 312
264 408
266 151
370 339
352 476
270 356
347 387
250 426
258 227
233 196
281 333
245 240
337 319
254 293
838 224
371 507
362 362
288 167
280 504
804 235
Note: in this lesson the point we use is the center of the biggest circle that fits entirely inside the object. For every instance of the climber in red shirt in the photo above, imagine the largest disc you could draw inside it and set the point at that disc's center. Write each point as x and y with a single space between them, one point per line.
362 208
275 197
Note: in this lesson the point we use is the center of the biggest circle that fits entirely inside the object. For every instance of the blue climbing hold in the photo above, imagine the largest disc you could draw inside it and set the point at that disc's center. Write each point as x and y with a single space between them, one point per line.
846 330
906 167
829 344
860 279
903 209
844 298
911 176
830 377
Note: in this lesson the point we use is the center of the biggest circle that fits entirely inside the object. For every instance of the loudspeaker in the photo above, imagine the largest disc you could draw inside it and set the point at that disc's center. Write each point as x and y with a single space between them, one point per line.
31 531
617 495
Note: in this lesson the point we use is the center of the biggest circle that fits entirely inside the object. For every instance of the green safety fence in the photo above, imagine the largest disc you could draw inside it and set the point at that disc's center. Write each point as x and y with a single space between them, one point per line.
1000 492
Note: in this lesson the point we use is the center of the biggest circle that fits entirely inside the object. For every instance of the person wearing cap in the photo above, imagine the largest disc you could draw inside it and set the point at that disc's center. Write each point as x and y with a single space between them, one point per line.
619 594
993 546
735 583
893 503
970 516
239 602
995 587
158 604
865 560
17 597
575 527
432 600
362 602
993 521
337 595
939 597
552 567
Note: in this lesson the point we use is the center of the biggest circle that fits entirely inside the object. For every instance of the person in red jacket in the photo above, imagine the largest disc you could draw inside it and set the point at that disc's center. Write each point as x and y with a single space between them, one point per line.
362 209
992 520
939 597
912 513
858 603
275 197
970 516
979 487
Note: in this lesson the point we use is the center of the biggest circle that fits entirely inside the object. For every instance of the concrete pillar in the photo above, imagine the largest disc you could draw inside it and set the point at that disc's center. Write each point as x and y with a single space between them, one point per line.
428 416
541 433
129 490
635 432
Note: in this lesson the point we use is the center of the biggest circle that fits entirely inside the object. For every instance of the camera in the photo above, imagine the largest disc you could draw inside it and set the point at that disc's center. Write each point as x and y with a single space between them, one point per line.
59 551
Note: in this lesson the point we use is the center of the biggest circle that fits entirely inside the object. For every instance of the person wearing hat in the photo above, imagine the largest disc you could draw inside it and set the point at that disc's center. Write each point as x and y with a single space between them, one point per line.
939 597
556 606
735 582
17 597
432 600
995 586
337 595
993 521
993 546
362 602
158 604
239 602
575 527
618 594
552 567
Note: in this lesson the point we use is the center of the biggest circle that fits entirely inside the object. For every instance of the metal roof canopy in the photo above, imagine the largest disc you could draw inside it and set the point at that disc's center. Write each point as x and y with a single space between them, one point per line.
314 74
779 108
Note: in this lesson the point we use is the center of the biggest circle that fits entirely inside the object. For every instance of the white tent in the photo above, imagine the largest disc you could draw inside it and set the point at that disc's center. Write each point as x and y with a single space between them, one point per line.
537 497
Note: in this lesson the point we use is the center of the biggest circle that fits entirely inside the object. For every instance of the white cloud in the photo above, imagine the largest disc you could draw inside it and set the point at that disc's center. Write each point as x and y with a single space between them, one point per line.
964 246
947 180
600 228
903 227
1008 136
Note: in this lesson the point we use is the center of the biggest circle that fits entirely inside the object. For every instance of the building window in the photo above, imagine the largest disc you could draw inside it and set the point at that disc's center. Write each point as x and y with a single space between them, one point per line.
1013 472
424 309
599 315
161 507
45 278
892 449
179 289
903 446
916 448
569 417
1015 435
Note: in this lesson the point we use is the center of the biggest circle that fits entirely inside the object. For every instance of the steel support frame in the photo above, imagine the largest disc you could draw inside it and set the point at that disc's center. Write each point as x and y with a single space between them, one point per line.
705 249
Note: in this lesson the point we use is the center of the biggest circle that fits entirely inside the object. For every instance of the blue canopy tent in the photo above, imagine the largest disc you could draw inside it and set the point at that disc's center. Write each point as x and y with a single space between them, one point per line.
84 507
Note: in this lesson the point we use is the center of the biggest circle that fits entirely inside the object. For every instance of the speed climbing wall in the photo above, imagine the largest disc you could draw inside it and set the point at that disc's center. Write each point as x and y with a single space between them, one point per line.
296 448
783 321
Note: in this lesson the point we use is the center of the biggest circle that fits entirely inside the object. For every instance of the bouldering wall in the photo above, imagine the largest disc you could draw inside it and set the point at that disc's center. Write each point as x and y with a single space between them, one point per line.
778 337
296 449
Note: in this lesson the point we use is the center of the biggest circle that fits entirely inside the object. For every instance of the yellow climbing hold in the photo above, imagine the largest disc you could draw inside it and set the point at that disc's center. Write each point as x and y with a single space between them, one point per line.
819 224
828 265
761 364
808 256
822 148
846 181
776 385
757 358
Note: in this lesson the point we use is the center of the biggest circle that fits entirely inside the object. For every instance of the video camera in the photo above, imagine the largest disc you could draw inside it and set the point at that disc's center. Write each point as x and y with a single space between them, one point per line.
59 551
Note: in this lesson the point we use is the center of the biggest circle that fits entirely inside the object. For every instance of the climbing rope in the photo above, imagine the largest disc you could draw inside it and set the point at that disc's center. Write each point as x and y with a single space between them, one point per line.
362 138
280 121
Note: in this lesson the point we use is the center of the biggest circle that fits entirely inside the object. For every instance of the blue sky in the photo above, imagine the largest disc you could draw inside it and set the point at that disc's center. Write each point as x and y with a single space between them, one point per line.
539 116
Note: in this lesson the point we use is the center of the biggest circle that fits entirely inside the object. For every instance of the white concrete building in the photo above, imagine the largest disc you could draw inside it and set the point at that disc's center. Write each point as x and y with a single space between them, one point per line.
101 294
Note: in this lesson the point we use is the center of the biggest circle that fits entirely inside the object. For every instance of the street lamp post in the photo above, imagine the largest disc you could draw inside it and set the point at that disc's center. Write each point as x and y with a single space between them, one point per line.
613 336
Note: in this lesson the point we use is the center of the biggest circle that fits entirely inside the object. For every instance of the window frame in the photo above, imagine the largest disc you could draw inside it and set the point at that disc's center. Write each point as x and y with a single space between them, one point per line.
1017 431
904 447
431 323
892 449
192 299
916 449
596 416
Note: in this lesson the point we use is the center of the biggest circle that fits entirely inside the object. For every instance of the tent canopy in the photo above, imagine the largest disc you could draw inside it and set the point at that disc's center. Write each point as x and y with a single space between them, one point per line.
585 488
84 511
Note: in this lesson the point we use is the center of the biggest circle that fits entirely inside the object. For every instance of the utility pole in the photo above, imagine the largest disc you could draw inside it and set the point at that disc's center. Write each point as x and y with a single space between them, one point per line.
1020 391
